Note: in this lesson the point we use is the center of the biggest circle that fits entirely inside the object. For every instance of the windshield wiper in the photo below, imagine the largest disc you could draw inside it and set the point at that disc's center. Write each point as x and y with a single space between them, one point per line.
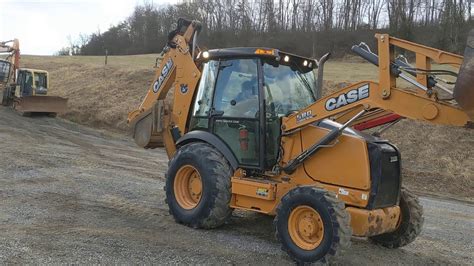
305 80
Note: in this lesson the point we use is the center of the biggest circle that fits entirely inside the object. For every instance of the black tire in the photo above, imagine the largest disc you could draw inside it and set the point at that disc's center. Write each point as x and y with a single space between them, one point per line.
213 208
337 229
410 225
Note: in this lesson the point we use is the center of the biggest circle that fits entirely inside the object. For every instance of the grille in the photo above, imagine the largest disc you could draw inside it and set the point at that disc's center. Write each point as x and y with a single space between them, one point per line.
385 175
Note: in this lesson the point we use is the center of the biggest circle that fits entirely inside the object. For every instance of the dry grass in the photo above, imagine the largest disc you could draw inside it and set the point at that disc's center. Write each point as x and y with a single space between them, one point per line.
436 159
99 95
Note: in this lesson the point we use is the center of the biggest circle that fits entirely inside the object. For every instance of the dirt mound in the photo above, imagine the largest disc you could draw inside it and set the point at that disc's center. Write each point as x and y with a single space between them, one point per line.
436 159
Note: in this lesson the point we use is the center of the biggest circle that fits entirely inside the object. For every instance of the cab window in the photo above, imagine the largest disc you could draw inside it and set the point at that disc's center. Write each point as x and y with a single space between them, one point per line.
203 101
237 88
4 71
41 80
288 88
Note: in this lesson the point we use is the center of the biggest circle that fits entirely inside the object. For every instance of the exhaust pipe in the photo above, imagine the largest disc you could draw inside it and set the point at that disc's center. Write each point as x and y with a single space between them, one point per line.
464 87
319 83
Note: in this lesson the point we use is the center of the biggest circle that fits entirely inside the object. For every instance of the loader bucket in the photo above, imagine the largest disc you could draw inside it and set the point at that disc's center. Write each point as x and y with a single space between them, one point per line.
41 104
464 88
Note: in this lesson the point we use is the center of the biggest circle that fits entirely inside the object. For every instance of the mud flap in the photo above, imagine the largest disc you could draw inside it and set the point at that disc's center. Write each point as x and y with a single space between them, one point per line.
464 88
41 104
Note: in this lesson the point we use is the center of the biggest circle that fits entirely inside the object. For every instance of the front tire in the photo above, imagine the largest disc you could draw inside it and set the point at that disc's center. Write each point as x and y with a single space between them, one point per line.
198 186
410 224
312 225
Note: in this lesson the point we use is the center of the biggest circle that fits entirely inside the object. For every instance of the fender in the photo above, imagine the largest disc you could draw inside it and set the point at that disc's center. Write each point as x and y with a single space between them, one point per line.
203 136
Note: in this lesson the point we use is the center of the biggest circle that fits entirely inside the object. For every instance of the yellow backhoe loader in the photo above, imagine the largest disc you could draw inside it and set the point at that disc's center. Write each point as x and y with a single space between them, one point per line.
25 89
247 128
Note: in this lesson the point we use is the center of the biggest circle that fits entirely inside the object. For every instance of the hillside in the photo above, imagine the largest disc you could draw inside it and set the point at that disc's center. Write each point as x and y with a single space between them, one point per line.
436 159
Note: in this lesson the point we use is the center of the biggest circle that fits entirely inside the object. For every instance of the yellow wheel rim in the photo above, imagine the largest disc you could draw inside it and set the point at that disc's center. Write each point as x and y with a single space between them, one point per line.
306 227
187 187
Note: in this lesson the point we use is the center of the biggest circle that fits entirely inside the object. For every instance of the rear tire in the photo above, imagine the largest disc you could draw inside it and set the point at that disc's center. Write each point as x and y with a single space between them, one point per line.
410 224
202 206
312 225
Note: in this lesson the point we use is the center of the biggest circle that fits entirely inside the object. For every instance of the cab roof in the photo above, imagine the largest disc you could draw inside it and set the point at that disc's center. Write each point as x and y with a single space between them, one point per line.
242 52
33 70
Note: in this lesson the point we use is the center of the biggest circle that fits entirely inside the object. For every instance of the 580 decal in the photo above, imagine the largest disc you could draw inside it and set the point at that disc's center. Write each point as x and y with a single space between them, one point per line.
164 73
351 96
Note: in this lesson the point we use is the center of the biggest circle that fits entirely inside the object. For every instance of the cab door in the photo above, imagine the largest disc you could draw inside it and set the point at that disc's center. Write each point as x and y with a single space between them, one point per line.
25 80
235 113
227 105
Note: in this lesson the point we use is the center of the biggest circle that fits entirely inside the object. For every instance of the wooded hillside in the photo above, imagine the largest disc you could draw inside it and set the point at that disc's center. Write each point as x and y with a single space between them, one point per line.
307 27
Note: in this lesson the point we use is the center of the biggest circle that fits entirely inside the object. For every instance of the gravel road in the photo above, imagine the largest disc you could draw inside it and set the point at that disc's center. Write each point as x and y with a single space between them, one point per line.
71 194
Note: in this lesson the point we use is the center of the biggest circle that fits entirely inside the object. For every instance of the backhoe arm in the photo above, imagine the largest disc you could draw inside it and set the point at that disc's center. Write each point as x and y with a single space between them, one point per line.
154 122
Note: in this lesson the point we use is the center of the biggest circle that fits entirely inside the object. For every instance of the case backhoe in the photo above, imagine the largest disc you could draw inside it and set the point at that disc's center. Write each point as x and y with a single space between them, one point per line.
23 88
247 128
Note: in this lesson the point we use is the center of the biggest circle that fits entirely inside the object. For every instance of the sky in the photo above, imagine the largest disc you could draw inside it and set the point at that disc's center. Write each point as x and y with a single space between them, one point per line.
45 26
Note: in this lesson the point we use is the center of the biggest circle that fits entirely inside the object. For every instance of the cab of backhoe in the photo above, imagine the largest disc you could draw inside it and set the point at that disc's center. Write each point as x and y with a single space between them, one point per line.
242 95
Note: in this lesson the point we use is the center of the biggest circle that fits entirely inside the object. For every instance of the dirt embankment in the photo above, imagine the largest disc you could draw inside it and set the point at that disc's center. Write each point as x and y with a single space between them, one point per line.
99 96
436 159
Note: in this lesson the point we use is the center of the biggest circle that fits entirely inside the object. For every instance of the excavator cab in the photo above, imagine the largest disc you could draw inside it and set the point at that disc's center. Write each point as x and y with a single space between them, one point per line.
5 70
242 95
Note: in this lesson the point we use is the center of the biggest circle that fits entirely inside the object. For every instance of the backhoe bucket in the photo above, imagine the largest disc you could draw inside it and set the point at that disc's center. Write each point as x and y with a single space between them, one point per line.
41 104
464 88
148 126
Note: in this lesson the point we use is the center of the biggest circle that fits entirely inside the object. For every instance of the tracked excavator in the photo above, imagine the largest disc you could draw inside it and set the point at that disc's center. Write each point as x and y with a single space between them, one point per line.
248 129
25 89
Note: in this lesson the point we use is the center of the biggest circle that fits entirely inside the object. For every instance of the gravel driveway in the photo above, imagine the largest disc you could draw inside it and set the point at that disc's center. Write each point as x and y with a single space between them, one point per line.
71 194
